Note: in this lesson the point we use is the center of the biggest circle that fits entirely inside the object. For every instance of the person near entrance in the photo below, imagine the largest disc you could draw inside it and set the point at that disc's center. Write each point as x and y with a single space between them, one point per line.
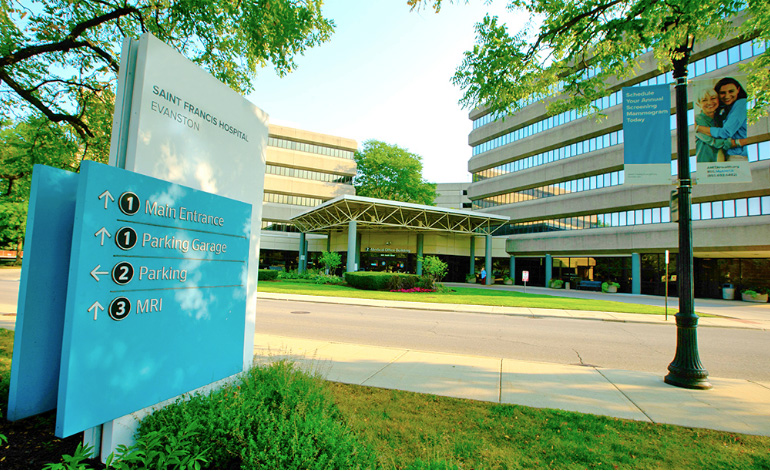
483 276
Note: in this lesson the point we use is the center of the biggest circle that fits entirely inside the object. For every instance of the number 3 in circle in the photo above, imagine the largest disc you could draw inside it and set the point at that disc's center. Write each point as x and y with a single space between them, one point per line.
120 308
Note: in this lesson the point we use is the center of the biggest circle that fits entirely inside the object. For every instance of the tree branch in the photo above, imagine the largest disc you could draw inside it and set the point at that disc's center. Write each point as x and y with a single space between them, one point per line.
69 42
80 127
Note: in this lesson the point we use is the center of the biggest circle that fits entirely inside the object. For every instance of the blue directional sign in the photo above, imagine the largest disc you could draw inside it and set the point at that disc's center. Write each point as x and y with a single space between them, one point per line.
156 295
42 293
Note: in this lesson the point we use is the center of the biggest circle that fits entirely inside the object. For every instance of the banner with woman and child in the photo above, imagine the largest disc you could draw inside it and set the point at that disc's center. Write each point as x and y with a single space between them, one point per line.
720 129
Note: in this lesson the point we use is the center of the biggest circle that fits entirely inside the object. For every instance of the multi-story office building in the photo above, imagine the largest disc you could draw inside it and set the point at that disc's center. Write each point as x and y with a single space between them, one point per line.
304 169
560 179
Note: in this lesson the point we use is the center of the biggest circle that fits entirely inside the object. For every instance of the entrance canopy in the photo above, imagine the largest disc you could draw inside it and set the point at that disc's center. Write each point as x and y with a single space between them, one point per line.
375 214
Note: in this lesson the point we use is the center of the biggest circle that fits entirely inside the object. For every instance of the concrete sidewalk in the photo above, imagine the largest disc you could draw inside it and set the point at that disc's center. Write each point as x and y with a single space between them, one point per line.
732 405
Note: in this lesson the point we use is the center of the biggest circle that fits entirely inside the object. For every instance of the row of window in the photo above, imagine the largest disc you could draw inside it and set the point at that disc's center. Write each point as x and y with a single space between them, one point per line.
589 145
613 99
702 66
578 148
572 186
311 148
757 151
308 174
291 199
733 208
278 226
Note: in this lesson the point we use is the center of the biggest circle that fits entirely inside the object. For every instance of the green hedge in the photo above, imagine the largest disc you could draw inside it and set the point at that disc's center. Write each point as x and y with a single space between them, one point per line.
379 281
268 275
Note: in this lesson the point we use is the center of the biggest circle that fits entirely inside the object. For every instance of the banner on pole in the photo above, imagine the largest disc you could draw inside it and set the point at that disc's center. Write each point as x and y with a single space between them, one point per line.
647 135
719 105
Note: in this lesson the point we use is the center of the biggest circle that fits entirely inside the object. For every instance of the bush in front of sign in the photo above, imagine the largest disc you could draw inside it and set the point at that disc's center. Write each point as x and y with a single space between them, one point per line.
274 417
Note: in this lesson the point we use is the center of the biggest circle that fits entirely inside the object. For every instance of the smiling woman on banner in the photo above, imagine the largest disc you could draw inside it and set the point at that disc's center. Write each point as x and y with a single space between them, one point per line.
729 119
707 148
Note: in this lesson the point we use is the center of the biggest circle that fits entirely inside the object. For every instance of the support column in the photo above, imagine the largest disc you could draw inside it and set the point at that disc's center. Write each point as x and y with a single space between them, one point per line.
636 273
513 269
302 251
488 259
329 241
352 239
420 241
472 269
358 251
548 269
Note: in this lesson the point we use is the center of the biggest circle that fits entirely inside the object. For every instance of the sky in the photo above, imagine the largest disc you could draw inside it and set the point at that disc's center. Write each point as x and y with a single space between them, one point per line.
385 74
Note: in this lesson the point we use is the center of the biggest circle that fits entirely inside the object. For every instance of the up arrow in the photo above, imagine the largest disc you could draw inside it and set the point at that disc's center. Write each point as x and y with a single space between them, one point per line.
107 196
95 307
95 272
102 232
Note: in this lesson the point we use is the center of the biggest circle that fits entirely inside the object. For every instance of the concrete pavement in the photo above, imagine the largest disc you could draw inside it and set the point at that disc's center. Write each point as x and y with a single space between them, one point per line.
732 405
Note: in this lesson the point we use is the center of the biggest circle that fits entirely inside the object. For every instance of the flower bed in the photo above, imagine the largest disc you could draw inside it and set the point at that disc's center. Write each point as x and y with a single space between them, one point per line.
413 290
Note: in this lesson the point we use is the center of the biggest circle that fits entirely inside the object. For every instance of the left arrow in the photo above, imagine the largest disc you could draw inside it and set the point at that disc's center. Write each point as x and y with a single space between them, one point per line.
102 232
95 307
95 272
107 196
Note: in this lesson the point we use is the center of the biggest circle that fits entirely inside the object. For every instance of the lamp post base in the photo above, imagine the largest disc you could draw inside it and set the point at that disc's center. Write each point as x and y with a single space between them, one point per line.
686 371
693 380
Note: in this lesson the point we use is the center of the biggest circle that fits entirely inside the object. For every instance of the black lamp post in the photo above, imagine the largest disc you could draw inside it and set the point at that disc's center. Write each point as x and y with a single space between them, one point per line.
685 370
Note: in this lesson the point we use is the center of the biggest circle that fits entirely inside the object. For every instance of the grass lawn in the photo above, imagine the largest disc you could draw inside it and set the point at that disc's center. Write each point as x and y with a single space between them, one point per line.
462 295
419 431
422 431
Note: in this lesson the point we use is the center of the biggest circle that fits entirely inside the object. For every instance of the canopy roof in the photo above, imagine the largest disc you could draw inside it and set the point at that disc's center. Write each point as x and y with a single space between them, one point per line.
376 214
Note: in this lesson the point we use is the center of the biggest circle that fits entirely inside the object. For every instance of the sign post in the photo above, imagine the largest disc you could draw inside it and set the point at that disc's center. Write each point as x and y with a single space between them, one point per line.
525 278
666 284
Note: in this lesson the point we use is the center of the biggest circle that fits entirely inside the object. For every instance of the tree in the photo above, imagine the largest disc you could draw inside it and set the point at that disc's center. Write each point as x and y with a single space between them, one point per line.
330 261
389 172
582 46
56 56
35 140
435 269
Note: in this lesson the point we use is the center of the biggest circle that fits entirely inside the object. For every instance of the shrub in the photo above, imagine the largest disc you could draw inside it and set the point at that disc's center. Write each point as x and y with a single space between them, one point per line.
395 283
379 281
470 278
267 275
755 291
555 283
606 285
273 417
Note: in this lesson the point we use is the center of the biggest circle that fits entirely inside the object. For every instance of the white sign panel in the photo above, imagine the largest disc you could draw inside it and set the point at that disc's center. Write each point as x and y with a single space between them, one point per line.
186 127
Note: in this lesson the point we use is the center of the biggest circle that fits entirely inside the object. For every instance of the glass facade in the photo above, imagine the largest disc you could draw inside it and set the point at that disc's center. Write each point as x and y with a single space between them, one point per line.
731 208
310 148
308 174
738 53
757 152
291 199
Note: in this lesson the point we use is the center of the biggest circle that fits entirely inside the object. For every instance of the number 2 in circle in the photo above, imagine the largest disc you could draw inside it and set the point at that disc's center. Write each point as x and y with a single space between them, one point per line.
122 273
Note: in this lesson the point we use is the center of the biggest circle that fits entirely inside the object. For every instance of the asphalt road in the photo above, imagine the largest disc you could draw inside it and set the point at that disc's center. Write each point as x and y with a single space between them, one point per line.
725 353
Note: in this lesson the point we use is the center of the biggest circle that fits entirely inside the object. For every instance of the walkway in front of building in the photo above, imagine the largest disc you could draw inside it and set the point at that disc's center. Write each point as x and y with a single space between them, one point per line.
733 405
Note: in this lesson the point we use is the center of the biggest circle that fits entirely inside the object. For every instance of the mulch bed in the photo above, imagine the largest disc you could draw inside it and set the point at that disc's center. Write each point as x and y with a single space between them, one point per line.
32 444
